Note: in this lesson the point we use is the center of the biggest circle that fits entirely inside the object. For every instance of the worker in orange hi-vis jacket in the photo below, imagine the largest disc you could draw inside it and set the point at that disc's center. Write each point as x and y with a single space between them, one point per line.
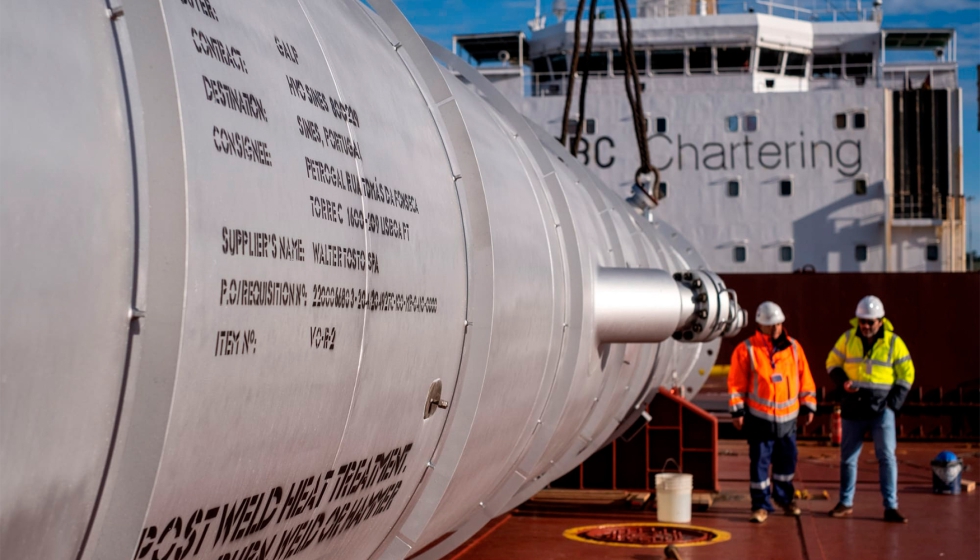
768 383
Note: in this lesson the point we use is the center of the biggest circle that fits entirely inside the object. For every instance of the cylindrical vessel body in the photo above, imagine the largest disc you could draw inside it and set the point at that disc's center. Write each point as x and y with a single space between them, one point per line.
281 284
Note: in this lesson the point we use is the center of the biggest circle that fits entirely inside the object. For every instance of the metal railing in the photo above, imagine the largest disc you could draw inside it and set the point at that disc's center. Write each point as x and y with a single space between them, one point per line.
809 10
918 76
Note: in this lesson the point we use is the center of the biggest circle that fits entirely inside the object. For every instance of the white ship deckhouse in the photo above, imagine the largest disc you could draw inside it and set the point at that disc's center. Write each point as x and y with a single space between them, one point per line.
786 139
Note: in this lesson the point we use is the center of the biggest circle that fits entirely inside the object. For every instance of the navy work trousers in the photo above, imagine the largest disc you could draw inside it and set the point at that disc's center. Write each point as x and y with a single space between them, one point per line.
780 453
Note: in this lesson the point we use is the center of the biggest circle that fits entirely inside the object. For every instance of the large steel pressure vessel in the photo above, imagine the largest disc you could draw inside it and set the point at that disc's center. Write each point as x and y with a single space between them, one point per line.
276 283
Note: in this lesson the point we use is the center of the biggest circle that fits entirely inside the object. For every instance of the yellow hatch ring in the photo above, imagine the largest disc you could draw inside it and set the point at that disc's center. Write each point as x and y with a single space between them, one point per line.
715 536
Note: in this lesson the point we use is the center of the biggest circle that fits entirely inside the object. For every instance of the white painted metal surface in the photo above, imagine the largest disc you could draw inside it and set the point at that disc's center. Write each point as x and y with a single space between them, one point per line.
311 296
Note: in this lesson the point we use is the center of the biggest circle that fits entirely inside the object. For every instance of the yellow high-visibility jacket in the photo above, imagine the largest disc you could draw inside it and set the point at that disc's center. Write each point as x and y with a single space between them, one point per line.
883 376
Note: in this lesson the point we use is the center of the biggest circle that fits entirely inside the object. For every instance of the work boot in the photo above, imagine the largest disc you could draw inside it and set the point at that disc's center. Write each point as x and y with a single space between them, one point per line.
791 508
893 516
840 510
759 516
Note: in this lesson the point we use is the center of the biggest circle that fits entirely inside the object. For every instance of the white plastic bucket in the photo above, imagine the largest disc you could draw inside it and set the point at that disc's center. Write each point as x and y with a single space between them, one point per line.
674 497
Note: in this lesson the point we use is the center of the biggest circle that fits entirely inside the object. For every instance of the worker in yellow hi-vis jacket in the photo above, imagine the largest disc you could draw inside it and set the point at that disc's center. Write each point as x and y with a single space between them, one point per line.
873 366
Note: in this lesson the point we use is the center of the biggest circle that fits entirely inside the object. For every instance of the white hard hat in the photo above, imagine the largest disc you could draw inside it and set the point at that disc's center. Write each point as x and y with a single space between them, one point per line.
769 314
870 307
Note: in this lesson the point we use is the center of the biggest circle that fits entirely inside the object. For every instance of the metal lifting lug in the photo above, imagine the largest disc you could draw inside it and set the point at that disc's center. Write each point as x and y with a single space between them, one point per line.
434 399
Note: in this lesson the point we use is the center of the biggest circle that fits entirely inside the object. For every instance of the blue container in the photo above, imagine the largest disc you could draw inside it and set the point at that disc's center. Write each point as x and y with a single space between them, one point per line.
947 471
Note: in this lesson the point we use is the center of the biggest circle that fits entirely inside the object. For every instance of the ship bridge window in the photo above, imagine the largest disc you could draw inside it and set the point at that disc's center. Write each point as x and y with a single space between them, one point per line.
932 252
597 64
858 64
840 121
751 123
559 63
540 65
795 64
667 62
827 65
699 60
861 253
786 253
731 123
859 120
770 60
739 254
733 59
661 125
619 62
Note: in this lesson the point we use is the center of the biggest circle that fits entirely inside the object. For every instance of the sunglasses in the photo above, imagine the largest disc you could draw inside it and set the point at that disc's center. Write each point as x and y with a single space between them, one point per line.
867 322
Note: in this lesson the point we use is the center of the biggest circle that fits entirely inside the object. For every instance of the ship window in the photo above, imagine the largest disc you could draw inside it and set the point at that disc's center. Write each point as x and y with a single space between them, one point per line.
540 65
826 65
751 123
559 63
858 64
795 64
932 252
662 192
840 120
589 126
598 63
861 253
732 124
770 84
733 59
785 187
859 120
667 62
700 60
733 188
739 254
860 187
619 62
661 124
786 253
770 60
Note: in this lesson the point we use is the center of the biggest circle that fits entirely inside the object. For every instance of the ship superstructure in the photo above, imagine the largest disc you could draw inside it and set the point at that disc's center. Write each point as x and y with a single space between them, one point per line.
787 138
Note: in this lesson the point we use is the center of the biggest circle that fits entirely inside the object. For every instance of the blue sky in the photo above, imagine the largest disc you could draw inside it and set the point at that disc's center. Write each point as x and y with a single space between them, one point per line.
440 19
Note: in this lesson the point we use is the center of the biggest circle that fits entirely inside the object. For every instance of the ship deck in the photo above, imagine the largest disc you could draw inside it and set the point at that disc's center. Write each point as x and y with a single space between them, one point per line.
939 526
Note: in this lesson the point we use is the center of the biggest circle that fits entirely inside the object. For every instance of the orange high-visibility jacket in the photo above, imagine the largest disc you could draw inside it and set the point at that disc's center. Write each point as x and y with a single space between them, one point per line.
767 385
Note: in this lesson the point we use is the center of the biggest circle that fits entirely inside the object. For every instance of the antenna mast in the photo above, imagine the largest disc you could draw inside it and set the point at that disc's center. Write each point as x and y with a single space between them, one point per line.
537 24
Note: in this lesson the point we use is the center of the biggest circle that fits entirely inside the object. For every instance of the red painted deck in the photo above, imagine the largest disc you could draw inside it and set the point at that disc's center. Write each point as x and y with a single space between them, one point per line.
939 526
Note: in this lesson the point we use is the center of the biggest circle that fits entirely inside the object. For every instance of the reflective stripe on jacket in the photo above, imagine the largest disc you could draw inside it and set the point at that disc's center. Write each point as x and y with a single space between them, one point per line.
884 375
770 386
